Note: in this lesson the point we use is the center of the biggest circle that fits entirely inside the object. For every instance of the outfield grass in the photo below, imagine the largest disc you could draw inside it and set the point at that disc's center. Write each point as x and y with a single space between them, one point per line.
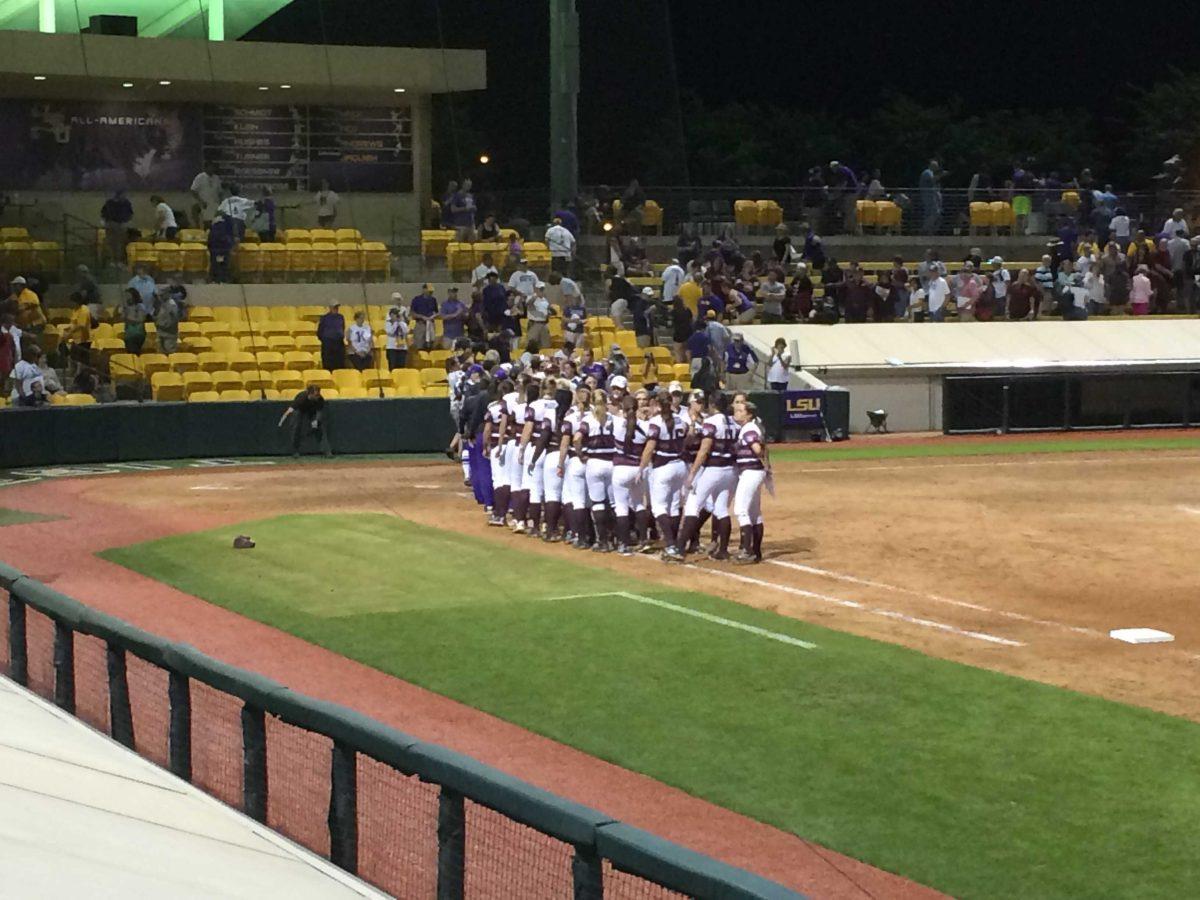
979 784
1005 447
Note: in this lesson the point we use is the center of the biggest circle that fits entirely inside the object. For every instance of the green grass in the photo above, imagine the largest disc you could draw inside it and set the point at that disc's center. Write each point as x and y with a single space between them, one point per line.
20 517
1005 447
976 783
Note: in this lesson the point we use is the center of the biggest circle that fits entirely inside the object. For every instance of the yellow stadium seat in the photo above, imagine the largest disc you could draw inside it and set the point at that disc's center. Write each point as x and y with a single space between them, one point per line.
434 390
888 216
258 314
184 361
281 313
257 381
387 391
299 261
241 361
153 363
192 236
433 375
18 255
745 212
170 256
14 233
227 380
227 314
47 256
269 394
1071 199
980 215
324 258
77 399
248 261
434 241
318 377
344 378
269 360
196 381
287 380
867 212
211 361
353 393
1003 215
330 393
376 259
223 343
212 330
195 258
201 314
406 379
770 213
307 342
310 314
125 368
236 394
203 397
297 235
352 235
281 343
192 344
141 253
375 378
652 215
274 261
297 359
322 235
349 259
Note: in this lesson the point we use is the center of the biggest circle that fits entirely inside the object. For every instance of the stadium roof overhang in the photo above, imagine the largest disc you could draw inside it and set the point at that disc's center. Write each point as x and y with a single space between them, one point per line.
215 19
97 67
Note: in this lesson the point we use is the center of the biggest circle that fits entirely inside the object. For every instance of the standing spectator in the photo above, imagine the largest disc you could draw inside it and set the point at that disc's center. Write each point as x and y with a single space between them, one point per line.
523 279
681 327
966 292
331 332
86 285
562 247
719 338
574 316
454 318
167 314
900 288
740 360
10 345
691 291
29 384
165 227
785 253
1177 250
264 216
1043 277
116 213
1025 297
537 316
814 251
799 302
672 281
462 211
480 273
79 333
424 313
568 290
396 331
145 287
30 315
1119 227
221 241
621 296
936 292
235 208
687 245
857 297
931 198
698 346
1097 300
1113 269
643 308
930 267
985 303
1141 292
494 299
360 342
1175 224
309 410
779 366
134 313
206 189
446 212
772 292
1000 278
327 202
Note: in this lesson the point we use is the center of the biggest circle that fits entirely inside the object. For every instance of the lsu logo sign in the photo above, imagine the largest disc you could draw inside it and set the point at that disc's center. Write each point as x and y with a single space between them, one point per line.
803 409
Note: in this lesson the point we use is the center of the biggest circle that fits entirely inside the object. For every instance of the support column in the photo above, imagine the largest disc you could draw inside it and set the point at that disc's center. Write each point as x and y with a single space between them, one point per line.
216 20
564 92
47 23
422 151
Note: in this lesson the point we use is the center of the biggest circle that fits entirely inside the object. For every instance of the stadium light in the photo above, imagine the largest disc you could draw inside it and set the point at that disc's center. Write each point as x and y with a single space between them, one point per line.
263 87
607 226
484 159
39 77
285 87
164 82
398 90
127 84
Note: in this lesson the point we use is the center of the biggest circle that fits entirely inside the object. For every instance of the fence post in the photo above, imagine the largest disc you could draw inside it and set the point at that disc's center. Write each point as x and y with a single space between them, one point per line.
18 648
1005 408
64 666
120 714
343 808
452 845
587 873
179 691
254 763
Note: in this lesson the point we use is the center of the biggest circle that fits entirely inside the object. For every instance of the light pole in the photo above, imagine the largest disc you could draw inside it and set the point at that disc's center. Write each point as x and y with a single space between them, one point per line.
564 93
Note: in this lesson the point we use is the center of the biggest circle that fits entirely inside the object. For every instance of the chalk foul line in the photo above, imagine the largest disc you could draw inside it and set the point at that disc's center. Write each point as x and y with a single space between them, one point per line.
853 604
697 614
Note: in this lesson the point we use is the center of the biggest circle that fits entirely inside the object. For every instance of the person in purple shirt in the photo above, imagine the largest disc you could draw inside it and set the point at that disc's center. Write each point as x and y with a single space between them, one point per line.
569 220
454 316
331 332
712 300
589 366
495 303
741 307
698 344
424 310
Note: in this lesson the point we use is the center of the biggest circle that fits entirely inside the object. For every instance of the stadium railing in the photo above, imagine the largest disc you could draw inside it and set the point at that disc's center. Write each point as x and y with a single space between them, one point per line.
413 818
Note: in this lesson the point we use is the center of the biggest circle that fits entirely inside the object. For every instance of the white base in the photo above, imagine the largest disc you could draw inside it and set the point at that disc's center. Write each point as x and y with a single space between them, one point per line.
1141 635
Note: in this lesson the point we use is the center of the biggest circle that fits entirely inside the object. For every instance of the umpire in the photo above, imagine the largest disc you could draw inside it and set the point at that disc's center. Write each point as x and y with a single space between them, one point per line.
309 409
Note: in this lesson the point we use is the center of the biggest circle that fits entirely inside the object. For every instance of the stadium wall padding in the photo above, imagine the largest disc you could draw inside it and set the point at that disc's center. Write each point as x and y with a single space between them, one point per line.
152 431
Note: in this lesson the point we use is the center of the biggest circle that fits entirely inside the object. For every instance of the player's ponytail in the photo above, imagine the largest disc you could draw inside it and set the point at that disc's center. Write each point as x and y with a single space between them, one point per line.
600 406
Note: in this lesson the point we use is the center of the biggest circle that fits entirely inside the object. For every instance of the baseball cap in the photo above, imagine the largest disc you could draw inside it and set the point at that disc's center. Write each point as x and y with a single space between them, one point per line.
711 314
427 286
615 347
737 336
397 296
674 388
333 304
618 381
648 291
453 289
696 397
523 261
539 284
995 261
20 279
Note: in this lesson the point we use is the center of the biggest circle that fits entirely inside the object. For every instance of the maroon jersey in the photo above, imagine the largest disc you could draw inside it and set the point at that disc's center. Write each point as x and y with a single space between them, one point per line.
630 441
598 437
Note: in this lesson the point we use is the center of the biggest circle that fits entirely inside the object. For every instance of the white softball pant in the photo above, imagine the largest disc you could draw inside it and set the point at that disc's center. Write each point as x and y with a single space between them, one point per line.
747 499
574 483
628 491
533 480
552 483
666 485
499 470
598 473
515 466
715 483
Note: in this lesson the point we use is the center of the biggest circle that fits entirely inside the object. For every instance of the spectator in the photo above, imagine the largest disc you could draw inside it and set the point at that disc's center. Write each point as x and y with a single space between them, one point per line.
79 333
772 292
687 246
1063 282
691 291
331 332
883 306
309 410
29 385
857 297
568 289
633 202
739 307
86 285
1000 280
165 227
86 381
454 318
1141 291
985 303
1177 250
537 315
706 378
447 216
327 202
574 316
501 344
396 331
672 281
166 322
489 230
621 296
1025 297
1043 277
740 360
222 239
562 247
116 213
719 338
523 279
10 345
698 345
1175 224
1191 272
966 292
1075 298
644 306
235 208
480 273
1113 269
134 314
681 328
360 342
936 292
785 253
1093 283
424 312
1119 227
494 299
145 287
918 302
207 190
900 289
618 365
462 211
30 316
930 267
875 188
814 251
779 366
799 301
264 216
931 198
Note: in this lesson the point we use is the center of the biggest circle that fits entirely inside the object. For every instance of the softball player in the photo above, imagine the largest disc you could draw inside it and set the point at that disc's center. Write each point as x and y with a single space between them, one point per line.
753 468
661 458
552 471
628 489
493 444
533 443
595 442
515 427
572 469
712 476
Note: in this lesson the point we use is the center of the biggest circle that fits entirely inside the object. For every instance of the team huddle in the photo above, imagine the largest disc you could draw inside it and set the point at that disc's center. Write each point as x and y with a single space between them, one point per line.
609 470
